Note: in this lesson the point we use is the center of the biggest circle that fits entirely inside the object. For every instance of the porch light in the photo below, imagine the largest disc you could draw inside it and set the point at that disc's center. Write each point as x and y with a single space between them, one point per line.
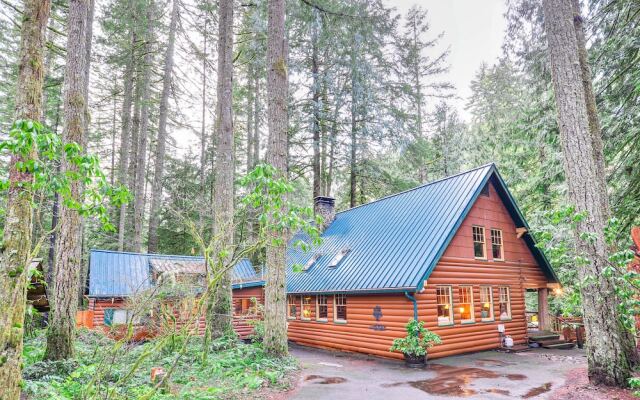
557 291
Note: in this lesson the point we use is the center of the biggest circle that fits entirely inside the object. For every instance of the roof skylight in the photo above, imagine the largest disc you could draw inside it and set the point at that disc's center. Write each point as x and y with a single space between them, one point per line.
338 257
311 261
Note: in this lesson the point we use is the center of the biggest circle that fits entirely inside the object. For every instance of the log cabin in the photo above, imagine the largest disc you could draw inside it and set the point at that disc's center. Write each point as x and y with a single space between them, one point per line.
456 253
116 277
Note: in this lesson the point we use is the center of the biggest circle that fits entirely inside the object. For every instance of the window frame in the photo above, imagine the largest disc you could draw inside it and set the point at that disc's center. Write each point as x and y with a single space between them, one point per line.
501 244
491 317
450 292
484 241
508 302
318 305
335 308
302 304
472 311
291 298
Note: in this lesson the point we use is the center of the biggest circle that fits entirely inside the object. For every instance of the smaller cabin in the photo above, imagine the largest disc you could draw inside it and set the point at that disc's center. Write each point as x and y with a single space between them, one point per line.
115 277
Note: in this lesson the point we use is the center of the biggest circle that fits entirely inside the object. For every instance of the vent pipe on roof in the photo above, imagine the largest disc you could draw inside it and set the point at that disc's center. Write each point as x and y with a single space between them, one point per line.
325 207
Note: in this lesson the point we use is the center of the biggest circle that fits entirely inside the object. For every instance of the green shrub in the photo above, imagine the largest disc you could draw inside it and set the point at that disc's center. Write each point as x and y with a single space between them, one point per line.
417 341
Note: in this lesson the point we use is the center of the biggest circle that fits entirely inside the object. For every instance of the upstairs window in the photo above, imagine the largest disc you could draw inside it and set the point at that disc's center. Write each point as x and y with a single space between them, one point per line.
485 190
497 248
486 303
340 303
292 308
306 308
466 304
505 303
479 249
322 309
445 305
338 257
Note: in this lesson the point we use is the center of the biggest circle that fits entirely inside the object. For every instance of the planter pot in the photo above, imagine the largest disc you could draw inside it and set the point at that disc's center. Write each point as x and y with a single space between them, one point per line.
413 361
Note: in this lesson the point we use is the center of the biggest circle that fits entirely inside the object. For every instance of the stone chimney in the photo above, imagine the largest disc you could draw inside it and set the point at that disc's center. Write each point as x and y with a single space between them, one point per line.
325 207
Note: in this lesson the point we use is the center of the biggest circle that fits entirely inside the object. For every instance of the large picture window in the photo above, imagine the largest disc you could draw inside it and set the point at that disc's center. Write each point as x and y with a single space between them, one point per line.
505 303
497 248
292 308
322 309
479 248
445 305
306 308
466 304
340 301
486 303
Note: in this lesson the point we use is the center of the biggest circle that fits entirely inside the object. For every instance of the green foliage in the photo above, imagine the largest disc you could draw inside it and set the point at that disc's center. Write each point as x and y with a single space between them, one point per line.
233 370
39 153
418 340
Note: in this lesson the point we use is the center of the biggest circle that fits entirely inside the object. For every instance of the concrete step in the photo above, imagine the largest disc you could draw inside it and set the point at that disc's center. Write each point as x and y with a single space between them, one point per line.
561 346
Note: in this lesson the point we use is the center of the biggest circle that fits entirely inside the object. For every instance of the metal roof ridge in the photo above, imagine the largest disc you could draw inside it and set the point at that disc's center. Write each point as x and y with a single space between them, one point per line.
145 254
419 186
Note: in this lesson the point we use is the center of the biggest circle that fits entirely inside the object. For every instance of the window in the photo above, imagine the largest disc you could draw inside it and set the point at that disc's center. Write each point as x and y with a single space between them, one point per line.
340 301
505 303
115 316
486 303
466 304
306 308
479 250
311 262
497 249
292 310
445 306
336 260
322 309
243 306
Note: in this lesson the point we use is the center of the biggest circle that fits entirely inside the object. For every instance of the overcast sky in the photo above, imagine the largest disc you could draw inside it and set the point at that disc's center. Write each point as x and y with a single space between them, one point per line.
474 31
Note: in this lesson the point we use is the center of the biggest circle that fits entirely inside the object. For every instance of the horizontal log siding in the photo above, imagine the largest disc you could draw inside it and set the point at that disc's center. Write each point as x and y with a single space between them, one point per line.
241 322
458 266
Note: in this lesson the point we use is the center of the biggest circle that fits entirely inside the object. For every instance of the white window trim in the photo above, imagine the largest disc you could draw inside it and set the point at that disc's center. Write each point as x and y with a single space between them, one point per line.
289 308
510 316
491 317
448 287
501 244
326 304
473 310
335 309
484 243
302 317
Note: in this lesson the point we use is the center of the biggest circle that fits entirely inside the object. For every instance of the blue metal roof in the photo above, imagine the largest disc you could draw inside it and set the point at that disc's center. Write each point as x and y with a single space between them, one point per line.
120 274
395 242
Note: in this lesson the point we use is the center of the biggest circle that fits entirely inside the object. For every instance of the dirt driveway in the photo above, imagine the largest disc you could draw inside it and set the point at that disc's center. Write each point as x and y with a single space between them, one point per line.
486 375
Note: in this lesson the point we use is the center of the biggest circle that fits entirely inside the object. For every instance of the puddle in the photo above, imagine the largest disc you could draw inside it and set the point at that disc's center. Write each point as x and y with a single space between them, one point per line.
325 380
488 362
455 381
503 392
537 391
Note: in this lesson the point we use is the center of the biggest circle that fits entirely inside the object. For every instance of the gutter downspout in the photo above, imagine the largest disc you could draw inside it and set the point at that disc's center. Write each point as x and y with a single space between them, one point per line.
415 305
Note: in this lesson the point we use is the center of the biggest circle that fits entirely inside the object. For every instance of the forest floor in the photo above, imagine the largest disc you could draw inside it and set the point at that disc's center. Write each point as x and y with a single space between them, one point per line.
538 374
104 368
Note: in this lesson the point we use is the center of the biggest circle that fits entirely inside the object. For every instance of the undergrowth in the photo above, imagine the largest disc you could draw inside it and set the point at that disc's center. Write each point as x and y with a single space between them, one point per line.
103 370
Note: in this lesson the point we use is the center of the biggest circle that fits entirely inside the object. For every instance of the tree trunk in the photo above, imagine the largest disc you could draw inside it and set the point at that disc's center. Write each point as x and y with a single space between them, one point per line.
203 126
250 112
125 135
275 321
17 229
143 135
256 120
220 317
608 362
315 99
156 191
68 257
354 136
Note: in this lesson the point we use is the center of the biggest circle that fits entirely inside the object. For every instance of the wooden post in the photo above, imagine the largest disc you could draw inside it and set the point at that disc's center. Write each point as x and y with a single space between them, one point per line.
543 309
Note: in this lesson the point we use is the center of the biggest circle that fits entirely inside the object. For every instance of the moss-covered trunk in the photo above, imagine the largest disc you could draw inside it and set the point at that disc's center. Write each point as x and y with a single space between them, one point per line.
68 255
16 245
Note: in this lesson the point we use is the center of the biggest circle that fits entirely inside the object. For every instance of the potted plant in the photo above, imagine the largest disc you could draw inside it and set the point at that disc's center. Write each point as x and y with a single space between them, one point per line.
414 346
